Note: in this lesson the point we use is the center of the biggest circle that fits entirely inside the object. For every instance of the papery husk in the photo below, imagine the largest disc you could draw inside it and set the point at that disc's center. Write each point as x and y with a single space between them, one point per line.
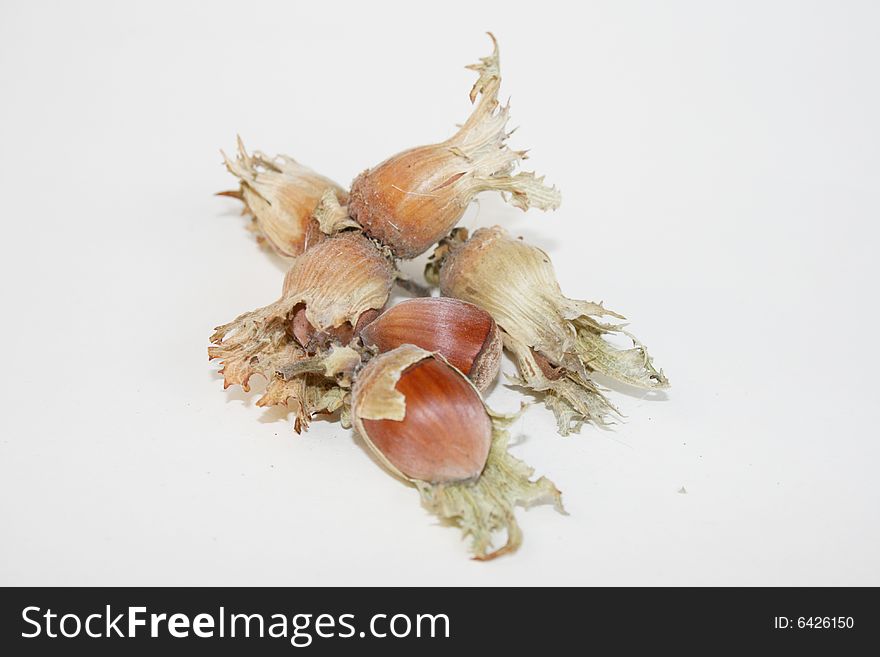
482 143
280 195
332 217
516 284
479 507
572 398
414 198
336 281
487 505
308 393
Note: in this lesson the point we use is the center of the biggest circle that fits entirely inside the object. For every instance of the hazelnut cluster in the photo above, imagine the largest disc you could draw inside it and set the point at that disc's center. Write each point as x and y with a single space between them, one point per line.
410 378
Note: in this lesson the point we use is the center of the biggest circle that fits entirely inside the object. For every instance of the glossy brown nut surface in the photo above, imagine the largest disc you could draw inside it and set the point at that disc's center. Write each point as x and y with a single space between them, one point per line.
460 331
446 433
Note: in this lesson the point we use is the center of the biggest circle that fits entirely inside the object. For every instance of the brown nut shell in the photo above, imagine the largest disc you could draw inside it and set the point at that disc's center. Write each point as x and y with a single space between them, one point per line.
413 199
410 201
422 417
464 334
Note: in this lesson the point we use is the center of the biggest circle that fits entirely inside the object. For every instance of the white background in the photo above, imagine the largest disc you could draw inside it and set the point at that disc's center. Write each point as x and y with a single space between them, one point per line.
719 164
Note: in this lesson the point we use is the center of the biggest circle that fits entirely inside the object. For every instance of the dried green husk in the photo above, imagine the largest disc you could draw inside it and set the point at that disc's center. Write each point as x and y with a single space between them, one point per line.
480 507
336 281
487 505
516 284
280 195
412 199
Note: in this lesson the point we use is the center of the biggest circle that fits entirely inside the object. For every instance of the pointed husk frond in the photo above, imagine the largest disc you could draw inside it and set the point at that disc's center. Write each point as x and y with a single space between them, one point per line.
480 506
335 282
280 194
414 198
544 329
483 507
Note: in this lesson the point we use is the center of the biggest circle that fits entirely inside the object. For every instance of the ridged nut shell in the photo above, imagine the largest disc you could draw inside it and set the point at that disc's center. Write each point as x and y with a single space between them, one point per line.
338 280
464 334
411 200
422 417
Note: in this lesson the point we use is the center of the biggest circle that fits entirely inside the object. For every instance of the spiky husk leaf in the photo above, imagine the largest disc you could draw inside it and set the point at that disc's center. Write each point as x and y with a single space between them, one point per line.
483 507
516 284
280 195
